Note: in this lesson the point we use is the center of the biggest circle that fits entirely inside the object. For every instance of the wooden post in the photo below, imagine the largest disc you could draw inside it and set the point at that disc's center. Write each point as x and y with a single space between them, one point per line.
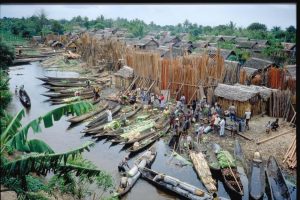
275 136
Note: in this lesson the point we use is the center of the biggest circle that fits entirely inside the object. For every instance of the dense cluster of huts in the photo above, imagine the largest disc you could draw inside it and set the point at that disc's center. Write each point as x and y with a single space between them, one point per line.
160 61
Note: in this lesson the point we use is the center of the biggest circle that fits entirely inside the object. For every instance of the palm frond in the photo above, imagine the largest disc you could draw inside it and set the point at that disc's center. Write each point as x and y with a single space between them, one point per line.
12 127
39 146
19 140
41 163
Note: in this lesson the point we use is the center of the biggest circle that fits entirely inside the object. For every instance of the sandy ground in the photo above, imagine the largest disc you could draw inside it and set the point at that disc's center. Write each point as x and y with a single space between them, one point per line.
276 147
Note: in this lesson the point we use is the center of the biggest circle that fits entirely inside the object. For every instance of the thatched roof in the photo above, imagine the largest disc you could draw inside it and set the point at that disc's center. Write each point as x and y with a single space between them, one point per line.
250 71
257 63
245 44
200 44
175 52
225 38
291 69
145 42
224 52
235 93
241 39
57 43
125 72
288 46
264 92
261 42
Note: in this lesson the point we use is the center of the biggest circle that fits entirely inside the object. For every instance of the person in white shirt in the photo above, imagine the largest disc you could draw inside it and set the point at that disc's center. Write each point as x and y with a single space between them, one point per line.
247 117
222 127
216 123
200 131
109 115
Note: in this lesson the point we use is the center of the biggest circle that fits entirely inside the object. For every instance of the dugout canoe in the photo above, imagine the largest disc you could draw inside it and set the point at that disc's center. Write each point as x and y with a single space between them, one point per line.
277 184
203 171
99 125
134 173
89 114
230 174
68 94
257 178
174 186
70 100
97 119
70 84
24 98
148 141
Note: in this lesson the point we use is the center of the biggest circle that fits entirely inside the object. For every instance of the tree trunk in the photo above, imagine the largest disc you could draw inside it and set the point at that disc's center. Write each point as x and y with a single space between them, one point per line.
24 183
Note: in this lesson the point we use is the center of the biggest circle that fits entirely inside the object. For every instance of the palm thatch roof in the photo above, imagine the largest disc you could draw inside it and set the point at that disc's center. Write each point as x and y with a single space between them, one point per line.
125 72
257 63
288 46
212 52
241 39
250 71
291 69
145 42
261 42
225 38
175 52
245 44
235 93
263 91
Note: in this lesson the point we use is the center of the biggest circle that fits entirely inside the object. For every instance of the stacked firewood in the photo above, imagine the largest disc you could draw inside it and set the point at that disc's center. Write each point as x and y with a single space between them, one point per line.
290 156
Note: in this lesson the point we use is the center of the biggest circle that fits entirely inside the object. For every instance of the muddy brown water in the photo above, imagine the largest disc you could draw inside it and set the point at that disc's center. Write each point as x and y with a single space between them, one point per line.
63 138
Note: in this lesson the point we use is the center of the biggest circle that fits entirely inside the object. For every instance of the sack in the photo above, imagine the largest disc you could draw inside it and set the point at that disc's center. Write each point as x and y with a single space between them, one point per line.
133 171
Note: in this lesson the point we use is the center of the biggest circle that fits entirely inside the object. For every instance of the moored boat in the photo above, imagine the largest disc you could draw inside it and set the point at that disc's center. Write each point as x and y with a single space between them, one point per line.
277 185
173 185
133 174
257 177
89 114
142 144
203 171
229 172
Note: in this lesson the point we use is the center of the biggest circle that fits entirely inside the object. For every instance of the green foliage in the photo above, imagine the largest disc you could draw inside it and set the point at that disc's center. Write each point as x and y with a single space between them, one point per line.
226 45
57 28
257 26
19 139
77 176
7 55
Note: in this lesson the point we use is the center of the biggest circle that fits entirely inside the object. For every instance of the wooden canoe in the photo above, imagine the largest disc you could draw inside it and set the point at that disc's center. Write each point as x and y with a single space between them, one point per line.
133 174
148 141
89 114
230 175
257 178
70 84
66 89
70 100
99 125
24 98
277 184
69 94
203 171
173 185
97 119
69 78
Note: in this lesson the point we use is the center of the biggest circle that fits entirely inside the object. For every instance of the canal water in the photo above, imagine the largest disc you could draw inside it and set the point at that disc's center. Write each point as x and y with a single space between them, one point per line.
106 157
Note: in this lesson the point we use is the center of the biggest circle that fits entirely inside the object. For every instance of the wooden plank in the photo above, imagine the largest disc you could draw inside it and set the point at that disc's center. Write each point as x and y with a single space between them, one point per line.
245 137
131 84
150 87
275 136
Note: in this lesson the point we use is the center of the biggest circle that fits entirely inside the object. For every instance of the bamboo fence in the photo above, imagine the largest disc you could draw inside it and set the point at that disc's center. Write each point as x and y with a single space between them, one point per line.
280 103
183 73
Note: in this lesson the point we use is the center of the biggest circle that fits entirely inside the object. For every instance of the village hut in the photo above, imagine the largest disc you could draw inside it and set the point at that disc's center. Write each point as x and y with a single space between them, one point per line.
247 74
231 72
147 44
289 49
57 45
71 47
262 66
225 38
226 54
124 77
245 44
260 45
241 39
253 98
173 52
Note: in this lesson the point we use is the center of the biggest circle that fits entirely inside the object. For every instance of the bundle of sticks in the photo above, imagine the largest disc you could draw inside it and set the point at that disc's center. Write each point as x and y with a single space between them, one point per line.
290 156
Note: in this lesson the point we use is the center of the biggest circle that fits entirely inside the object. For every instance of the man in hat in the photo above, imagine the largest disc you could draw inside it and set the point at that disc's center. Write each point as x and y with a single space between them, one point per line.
122 164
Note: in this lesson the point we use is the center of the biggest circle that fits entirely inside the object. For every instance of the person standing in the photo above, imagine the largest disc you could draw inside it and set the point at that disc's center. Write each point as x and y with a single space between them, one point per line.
182 99
234 129
216 122
222 127
16 90
194 105
109 115
247 117
232 111
161 101
200 131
